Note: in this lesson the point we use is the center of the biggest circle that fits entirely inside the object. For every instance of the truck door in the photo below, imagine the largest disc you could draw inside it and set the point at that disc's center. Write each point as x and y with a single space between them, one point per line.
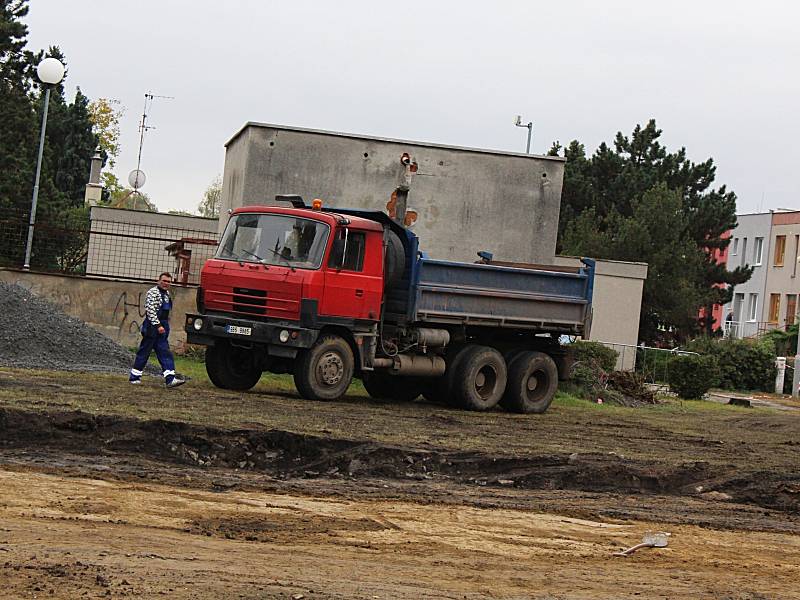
353 278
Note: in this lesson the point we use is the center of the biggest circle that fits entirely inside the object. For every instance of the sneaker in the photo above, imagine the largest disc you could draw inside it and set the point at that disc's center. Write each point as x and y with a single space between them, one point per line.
135 381
175 382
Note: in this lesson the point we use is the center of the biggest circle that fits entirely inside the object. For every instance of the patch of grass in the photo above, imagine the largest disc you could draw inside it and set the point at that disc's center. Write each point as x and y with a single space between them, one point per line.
194 366
695 430
669 405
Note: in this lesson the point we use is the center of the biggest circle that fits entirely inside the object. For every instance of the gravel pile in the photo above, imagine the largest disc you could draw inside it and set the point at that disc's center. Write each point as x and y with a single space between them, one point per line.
36 334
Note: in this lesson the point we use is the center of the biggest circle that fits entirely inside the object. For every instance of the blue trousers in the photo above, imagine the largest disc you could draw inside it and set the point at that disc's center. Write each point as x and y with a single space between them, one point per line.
160 343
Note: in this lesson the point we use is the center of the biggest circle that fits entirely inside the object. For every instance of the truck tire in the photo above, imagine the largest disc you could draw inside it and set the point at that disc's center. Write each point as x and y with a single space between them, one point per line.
532 383
395 261
480 378
383 385
324 371
231 368
441 391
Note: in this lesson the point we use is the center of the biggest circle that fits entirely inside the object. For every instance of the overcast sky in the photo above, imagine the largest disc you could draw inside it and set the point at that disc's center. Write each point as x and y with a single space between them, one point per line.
720 78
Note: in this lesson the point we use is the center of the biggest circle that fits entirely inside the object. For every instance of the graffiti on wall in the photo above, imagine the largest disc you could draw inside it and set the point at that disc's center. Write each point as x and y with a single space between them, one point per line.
128 313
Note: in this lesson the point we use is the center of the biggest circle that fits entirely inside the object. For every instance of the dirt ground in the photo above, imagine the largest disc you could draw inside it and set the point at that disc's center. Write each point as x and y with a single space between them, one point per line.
108 491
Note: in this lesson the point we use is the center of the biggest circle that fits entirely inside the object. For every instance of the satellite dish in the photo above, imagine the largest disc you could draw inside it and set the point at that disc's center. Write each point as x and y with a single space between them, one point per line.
136 179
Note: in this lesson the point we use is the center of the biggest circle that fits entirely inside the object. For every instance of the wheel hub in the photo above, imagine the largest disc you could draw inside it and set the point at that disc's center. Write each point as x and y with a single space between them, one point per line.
532 383
331 368
485 381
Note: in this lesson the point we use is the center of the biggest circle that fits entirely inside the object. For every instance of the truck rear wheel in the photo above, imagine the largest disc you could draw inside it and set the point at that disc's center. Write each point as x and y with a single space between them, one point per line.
532 383
231 368
324 371
383 385
480 378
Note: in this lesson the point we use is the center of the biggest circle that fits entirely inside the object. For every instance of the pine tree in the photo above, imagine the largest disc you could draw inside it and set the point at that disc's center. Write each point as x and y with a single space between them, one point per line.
18 142
638 201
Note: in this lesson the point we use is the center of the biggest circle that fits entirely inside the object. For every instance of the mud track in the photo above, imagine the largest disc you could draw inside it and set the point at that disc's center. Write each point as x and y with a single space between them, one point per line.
108 491
288 456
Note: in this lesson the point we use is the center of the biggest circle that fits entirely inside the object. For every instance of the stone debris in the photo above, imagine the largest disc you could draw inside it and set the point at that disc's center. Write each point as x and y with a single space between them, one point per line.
36 334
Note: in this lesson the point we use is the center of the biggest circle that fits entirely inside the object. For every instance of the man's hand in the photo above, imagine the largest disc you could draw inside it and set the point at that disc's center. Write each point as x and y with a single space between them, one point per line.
161 330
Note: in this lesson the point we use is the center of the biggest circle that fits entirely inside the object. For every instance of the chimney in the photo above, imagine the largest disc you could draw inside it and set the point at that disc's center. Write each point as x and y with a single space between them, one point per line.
94 189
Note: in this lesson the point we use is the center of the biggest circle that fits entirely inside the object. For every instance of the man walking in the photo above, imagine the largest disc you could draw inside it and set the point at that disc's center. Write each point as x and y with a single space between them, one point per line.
155 334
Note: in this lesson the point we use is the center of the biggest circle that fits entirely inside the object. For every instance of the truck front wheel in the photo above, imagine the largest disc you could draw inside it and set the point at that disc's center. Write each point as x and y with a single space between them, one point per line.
324 371
480 378
231 368
532 383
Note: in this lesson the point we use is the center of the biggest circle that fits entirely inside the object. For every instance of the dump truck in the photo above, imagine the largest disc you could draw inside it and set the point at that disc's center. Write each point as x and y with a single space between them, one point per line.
329 294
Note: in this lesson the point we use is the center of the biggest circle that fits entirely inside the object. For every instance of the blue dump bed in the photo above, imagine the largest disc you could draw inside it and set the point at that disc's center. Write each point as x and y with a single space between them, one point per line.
548 299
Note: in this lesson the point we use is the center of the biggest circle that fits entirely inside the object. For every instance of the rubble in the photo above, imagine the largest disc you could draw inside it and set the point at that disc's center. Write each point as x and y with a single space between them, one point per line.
36 334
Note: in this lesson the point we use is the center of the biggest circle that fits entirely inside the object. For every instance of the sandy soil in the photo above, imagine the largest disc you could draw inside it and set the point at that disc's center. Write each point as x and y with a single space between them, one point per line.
71 537
107 491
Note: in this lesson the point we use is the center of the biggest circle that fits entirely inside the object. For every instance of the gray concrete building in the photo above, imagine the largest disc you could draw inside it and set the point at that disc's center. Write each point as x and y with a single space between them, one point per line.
467 199
616 306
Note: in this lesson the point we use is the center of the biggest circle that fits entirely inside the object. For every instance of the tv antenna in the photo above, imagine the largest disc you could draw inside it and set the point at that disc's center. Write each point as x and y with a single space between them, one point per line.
143 126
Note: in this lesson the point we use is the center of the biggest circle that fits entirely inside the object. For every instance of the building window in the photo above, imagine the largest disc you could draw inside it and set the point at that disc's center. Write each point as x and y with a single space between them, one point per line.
758 250
780 250
791 308
744 251
735 246
774 307
752 307
796 257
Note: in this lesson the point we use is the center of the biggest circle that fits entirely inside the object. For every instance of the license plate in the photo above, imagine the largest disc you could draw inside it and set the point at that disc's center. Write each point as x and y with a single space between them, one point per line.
239 330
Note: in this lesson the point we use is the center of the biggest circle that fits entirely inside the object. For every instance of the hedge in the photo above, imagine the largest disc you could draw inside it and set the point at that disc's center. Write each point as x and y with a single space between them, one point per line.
743 364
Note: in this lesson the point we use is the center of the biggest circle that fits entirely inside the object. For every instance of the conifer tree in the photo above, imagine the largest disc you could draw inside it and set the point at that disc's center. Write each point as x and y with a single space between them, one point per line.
17 143
637 201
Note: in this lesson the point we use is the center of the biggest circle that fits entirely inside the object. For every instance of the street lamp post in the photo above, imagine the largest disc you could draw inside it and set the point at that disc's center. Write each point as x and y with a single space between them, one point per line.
50 72
518 122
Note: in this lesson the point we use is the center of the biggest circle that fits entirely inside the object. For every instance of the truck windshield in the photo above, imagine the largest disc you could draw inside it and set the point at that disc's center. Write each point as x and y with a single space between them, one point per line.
274 240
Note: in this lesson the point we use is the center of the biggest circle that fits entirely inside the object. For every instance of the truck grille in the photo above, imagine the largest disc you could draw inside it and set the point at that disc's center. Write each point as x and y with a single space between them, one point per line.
250 301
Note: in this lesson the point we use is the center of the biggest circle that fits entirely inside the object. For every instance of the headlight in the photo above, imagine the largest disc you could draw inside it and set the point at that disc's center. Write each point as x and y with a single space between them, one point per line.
284 336
198 324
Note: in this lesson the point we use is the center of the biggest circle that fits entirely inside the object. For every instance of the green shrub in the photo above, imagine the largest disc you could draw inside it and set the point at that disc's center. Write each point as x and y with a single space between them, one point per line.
785 340
743 364
692 375
593 363
596 353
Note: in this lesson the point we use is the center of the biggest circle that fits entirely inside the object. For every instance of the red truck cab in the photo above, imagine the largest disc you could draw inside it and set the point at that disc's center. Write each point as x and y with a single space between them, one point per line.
290 264
290 290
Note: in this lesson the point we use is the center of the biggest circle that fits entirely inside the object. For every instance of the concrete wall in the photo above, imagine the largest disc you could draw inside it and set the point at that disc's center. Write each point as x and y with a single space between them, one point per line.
114 307
783 280
133 244
741 252
616 305
467 199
